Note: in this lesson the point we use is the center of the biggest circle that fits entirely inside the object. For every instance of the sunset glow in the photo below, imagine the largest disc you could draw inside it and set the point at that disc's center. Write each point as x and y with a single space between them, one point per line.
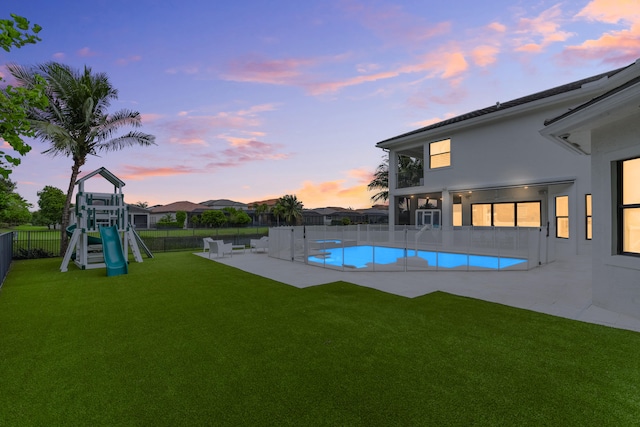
253 100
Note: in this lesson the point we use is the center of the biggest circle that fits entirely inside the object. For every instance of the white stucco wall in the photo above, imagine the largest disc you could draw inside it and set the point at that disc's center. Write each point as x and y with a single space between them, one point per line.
616 278
510 152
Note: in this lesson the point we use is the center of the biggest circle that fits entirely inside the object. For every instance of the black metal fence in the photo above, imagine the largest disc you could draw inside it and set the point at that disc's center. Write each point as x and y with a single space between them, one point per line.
6 254
43 244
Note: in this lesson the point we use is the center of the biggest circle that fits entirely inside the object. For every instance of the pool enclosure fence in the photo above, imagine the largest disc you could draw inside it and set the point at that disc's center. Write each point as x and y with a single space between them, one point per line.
442 249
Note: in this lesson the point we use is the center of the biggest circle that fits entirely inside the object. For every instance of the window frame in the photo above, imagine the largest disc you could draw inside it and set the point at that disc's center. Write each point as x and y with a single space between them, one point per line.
431 156
588 213
515 213
621 208
564 196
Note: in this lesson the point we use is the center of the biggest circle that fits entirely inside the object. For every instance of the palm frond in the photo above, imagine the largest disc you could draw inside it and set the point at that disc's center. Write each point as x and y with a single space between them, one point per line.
129 140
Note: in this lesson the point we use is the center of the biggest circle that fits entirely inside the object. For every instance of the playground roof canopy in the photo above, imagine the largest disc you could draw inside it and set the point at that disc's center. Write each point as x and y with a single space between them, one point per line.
105 174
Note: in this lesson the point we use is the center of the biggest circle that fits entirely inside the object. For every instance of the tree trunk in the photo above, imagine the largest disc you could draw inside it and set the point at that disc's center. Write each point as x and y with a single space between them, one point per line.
64 239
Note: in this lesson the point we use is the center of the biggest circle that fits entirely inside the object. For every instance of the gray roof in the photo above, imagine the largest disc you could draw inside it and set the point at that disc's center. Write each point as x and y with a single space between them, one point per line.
595 100
223 203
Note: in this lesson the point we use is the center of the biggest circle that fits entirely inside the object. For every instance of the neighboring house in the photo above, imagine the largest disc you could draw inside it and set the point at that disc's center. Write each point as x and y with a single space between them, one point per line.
139 217
608 129
335 215
493 168
190 208
225 203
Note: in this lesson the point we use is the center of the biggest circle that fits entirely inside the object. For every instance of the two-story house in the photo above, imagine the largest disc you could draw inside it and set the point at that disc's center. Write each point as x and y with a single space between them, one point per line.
492 168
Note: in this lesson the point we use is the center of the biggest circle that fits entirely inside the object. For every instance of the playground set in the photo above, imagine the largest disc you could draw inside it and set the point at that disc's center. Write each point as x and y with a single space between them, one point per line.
102 235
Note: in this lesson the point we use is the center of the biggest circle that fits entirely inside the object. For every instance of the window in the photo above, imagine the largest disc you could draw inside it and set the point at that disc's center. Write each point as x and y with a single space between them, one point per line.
440 154
562 217
589 224
504 215
528 214
520 214
457 214
629 207
481 215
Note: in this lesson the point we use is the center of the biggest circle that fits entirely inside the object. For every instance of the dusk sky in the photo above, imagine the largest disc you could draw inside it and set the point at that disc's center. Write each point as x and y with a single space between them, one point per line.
252 100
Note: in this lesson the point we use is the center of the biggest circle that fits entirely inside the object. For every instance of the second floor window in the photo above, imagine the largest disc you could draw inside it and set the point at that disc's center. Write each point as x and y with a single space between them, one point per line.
440 154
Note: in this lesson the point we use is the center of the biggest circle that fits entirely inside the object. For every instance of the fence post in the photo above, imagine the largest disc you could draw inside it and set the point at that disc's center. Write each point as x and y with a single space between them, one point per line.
292 243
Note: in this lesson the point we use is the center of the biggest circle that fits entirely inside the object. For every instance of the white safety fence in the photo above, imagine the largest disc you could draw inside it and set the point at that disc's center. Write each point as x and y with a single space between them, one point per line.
376 248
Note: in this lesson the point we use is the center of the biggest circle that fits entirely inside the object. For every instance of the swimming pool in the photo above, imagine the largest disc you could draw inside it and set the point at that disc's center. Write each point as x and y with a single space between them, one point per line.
360 257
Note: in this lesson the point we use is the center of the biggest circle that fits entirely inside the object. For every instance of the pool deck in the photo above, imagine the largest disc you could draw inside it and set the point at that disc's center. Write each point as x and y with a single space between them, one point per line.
561 288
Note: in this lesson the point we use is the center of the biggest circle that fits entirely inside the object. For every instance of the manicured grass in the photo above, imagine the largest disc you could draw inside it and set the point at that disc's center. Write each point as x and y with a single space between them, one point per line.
182 340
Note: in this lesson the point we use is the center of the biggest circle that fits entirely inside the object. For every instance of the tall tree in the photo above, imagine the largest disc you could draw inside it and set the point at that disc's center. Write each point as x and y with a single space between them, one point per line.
76 122
259 210
409 171
380 182
51 203
14 209
14 101
290 208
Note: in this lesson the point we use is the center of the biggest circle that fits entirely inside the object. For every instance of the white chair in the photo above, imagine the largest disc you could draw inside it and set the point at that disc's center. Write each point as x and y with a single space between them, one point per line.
206 241
220 248
261 243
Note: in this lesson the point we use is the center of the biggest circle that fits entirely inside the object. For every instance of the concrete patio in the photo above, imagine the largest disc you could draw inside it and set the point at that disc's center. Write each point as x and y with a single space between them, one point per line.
561 288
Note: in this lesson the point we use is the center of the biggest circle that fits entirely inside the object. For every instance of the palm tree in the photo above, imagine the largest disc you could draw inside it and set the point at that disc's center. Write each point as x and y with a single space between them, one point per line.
260 209
410 170
277 212
76 122
380 182
290 208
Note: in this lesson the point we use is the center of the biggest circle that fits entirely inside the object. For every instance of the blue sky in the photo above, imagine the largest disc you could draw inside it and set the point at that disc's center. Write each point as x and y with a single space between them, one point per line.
251 100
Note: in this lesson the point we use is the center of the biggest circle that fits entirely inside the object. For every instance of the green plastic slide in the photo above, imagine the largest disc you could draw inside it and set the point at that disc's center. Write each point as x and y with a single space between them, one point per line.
90 239
114 257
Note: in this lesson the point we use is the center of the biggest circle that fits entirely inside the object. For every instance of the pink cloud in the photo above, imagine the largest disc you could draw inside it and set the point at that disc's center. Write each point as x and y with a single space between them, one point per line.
186 69
393 25
446 95
617 47
151 117
611 11
498 27
140 172
274 71
431 121
484 55
539 32
244 150
333 193
128 60
59 55
85 52
361 175
188 141
444 64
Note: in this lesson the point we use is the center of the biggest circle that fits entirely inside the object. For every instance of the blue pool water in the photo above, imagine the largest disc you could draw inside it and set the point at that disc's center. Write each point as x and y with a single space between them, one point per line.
361 256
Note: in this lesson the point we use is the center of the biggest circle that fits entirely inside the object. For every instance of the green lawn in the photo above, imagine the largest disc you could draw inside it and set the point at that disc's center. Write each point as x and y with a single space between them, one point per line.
182 340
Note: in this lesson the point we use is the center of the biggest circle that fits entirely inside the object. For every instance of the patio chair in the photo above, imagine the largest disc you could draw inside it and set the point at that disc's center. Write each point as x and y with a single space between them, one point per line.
261 243
206 241
220 248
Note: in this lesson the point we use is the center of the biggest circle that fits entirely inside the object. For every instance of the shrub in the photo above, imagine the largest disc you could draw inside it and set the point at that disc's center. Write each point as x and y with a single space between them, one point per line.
32 254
